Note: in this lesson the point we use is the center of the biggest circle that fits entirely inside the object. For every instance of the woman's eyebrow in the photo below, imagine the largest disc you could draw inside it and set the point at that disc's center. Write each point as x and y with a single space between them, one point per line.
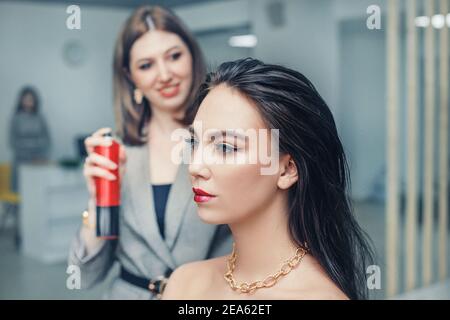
231 133
143 60
165 52
171 48
224 133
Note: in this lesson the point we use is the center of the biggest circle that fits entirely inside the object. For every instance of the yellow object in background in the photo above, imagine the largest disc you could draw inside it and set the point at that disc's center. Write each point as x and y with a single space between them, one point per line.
6 195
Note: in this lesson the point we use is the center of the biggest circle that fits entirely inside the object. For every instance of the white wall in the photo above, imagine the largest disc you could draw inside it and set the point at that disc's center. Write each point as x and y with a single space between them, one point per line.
362 119
213 23
362 104
215 15
348 68
306 42
351 9
74 100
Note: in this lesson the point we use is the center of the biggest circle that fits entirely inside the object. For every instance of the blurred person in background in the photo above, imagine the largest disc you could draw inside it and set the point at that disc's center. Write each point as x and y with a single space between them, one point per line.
29 137
158 67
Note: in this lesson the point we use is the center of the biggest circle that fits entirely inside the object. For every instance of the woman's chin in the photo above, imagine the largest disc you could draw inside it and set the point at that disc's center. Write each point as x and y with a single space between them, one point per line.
210 216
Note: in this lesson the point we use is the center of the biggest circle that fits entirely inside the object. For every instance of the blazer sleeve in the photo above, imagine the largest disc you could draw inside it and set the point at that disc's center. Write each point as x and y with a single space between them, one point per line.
222 242
95 266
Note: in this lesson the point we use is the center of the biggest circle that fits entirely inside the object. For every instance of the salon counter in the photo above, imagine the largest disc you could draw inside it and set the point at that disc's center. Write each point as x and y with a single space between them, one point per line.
52 200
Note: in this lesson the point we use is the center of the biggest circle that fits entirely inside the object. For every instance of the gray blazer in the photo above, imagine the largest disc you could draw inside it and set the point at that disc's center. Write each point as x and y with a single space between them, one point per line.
140 248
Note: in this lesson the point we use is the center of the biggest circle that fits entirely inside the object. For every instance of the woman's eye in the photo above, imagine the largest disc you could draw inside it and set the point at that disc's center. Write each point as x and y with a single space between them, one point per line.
176 56
145 66
226 148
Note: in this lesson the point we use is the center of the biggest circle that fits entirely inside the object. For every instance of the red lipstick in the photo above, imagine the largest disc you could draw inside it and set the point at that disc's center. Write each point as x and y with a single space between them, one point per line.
170 91
201 195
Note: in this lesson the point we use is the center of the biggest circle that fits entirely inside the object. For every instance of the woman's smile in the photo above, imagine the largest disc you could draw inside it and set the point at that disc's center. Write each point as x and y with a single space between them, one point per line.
170 91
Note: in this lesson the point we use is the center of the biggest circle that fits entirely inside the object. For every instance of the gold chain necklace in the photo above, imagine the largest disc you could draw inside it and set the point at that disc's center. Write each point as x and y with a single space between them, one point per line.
269 281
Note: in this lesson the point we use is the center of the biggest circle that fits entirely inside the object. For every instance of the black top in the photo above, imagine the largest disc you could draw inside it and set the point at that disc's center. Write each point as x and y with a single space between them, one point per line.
160 195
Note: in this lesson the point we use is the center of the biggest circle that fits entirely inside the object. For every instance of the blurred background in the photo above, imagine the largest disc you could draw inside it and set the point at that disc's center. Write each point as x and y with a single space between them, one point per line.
361 66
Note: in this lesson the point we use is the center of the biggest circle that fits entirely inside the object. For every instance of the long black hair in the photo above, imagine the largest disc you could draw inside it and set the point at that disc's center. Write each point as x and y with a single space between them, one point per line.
320 213
23 92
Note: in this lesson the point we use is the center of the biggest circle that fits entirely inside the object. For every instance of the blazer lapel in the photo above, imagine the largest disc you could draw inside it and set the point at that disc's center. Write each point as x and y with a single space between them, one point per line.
142 199
179 198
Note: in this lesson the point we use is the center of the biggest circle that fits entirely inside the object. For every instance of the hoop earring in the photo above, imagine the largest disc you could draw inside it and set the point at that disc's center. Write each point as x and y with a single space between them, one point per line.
138 96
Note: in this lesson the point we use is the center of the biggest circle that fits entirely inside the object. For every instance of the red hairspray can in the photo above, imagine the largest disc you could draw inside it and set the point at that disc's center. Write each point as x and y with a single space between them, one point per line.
108 195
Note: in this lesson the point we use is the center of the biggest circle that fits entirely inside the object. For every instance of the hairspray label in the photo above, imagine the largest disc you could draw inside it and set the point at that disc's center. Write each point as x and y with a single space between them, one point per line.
108 195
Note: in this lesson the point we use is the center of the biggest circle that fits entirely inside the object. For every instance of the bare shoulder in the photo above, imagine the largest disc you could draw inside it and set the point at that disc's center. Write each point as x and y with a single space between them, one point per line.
179 281
317 283
327 292
191 278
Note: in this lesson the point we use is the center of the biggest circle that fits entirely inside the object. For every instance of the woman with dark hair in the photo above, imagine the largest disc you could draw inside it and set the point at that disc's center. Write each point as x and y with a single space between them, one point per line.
294 233
158 67
29 137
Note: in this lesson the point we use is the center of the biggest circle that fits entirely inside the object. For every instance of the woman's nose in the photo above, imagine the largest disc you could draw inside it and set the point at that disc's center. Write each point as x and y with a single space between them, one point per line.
197 167
164 72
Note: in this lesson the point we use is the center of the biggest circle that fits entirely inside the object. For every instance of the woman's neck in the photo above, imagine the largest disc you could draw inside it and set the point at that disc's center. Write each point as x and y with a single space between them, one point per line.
263 242
164 123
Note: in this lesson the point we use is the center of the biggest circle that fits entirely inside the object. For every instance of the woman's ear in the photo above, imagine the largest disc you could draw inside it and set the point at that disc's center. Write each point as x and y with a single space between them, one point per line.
288 172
